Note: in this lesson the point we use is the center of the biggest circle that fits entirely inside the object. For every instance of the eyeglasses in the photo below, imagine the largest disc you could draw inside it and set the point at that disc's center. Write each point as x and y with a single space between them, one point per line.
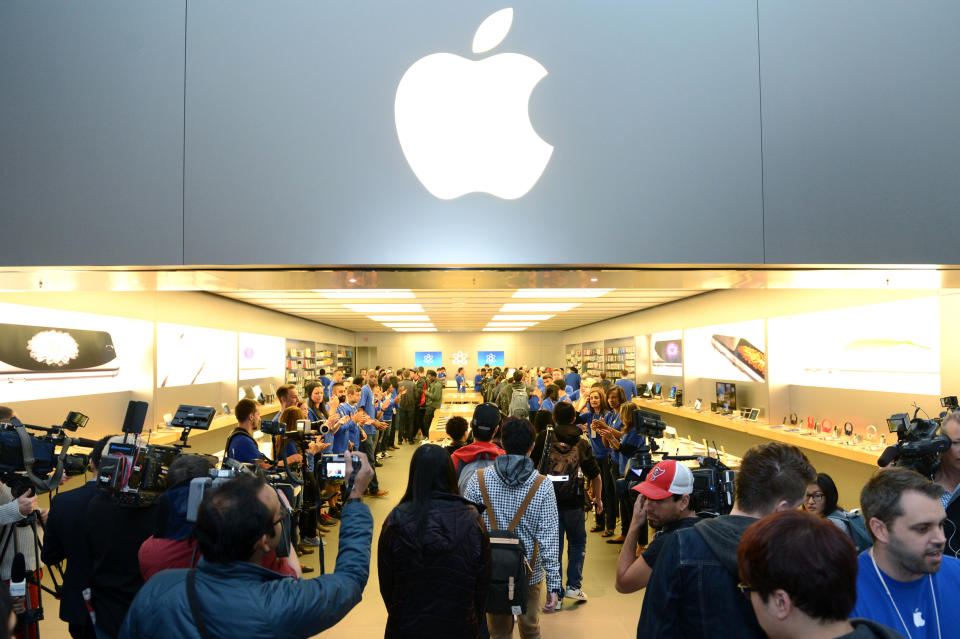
745 589
285 515
814 497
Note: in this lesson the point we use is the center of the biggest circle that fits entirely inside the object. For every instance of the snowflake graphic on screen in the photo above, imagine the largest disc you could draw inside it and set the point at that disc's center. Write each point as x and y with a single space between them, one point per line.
459 359
491 358
428 358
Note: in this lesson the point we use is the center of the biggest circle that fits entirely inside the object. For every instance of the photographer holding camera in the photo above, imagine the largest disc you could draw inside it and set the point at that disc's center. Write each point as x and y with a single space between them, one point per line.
229 595
948 477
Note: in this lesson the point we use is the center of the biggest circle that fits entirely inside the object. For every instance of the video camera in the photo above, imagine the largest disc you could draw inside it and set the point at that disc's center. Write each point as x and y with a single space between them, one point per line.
919 441
29 461
134 471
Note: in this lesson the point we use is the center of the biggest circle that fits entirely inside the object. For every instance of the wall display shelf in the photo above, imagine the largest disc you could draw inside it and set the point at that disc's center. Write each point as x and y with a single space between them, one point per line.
326 354
345 360
592 359
301 363
619 355
574 355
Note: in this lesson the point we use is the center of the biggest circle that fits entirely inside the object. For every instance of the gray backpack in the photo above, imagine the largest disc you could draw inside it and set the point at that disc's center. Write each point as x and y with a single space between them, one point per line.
519 403
467 471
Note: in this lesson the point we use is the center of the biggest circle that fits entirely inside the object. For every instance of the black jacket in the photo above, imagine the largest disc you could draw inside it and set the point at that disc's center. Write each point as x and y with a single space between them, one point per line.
440 588
61 541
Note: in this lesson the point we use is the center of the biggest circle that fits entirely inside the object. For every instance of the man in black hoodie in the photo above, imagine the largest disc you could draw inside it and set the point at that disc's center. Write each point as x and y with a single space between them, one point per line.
693 589
570 453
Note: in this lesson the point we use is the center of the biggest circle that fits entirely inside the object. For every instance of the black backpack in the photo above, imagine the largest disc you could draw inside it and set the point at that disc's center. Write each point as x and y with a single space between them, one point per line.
509 569
565 461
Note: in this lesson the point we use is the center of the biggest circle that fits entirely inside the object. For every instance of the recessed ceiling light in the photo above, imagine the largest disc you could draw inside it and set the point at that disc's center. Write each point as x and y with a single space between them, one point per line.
503 324
385 308
556 307
399 318
593 279
409 324
415 330
512 318
364 293
553 293
352 280
503 329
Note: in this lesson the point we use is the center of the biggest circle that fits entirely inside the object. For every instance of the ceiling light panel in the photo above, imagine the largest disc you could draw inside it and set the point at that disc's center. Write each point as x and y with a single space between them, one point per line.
399 318
504 329
385 308
520 318
503 324
548 307
557 293
415 330
408 324
367 293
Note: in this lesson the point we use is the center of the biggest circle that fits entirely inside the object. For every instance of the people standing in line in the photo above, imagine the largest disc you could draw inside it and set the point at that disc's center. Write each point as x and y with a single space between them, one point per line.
628 385
800 575
434 397
371 426
407 407
505 488
664 503
387 413
693 588
906 581
570 460
433 555
596 416
482 452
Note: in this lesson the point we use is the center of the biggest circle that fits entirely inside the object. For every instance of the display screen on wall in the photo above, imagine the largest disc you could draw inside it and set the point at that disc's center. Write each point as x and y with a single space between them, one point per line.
729 351
428 358
490 358
894 346
189 355
50 353
260 356
666 353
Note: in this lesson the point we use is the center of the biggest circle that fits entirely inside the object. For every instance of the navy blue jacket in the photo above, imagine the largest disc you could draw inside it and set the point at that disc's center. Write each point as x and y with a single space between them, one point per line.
61 541
693 588
242 599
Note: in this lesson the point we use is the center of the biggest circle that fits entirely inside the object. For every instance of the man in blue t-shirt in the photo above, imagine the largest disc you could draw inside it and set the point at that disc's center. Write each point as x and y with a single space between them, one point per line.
573 379
904 581
478 381
628 386
241 446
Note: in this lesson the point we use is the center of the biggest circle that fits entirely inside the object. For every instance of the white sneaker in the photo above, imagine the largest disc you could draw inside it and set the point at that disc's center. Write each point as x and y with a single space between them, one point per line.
577 594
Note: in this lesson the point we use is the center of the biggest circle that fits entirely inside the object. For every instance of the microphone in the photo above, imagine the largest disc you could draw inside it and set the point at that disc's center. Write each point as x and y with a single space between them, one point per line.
888 455
18 583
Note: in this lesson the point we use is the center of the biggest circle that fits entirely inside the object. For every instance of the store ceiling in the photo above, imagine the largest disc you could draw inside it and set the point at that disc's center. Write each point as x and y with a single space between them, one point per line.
461 310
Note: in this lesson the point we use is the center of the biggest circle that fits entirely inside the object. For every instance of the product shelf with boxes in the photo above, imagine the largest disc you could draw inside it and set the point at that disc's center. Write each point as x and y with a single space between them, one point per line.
619 355
592 359
301 363
574 355
345 359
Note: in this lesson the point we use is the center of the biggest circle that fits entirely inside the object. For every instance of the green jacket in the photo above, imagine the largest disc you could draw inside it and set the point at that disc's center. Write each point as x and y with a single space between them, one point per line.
434 395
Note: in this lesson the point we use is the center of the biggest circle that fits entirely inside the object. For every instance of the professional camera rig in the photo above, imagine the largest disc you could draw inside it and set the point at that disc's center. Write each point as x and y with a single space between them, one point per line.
134 471
919 441
29 461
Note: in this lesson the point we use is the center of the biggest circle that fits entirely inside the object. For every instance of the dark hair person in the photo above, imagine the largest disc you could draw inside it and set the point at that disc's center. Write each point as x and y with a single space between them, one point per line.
434 555
821 497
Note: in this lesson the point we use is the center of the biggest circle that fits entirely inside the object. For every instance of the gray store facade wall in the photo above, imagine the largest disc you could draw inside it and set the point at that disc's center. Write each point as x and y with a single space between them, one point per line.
740 132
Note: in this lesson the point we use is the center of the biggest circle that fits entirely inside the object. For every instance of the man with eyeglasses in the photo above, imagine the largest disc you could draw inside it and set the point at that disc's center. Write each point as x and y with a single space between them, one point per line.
693 589
230 595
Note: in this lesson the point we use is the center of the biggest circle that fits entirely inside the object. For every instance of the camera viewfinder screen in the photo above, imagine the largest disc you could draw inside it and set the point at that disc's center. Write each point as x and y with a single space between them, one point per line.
337 469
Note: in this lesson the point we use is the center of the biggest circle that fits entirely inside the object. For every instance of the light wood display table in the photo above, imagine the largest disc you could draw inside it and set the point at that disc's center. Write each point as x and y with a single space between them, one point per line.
437 427
167 436
451 396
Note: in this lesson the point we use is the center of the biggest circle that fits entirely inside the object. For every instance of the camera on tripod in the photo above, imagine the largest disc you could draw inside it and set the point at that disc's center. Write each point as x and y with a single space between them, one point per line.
29 461
919 441
134 471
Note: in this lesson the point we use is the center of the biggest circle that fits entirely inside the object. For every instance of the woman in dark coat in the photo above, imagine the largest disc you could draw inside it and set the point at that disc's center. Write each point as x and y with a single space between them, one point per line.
434 555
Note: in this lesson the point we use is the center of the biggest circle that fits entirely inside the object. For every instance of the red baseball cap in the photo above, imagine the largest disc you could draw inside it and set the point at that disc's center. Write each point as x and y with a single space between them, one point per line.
665 479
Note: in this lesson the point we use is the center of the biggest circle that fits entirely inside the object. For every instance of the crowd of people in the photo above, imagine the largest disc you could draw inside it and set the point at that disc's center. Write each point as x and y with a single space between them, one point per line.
475 545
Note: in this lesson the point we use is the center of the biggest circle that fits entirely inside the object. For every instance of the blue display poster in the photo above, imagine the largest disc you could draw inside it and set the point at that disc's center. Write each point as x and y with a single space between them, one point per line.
490 358
428 359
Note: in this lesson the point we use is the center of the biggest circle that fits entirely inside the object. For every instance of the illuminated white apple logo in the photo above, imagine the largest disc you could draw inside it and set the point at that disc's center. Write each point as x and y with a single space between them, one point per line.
464 126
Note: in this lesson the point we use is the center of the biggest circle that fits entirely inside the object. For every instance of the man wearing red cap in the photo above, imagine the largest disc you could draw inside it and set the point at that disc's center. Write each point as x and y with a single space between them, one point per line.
664 502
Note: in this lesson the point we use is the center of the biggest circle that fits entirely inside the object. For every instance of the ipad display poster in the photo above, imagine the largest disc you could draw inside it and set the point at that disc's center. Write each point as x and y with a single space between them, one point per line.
490 358
260 356
735 352
188 355
46 353
428 359
893 346
666 353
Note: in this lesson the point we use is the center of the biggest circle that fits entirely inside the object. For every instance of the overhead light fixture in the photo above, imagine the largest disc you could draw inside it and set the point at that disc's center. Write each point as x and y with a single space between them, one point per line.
415 330
503 329
399 318
504 324
408 324
520 318
554 307
385 308
364 293
593 279
554 293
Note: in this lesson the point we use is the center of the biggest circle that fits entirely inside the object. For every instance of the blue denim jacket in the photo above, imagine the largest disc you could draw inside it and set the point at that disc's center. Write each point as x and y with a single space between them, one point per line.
693 589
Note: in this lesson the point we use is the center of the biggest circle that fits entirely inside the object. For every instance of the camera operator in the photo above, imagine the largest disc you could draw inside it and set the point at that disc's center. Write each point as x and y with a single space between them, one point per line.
665 504
229 595
241 446
60 542
693 588
948 477
905 580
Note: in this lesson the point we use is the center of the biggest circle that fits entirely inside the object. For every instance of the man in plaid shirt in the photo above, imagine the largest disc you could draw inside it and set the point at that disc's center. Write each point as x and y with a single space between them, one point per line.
507 482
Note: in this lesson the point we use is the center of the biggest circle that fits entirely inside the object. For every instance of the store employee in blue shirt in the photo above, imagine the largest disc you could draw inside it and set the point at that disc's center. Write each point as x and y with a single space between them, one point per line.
241 446
461 381
905 581
478 381
628 385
